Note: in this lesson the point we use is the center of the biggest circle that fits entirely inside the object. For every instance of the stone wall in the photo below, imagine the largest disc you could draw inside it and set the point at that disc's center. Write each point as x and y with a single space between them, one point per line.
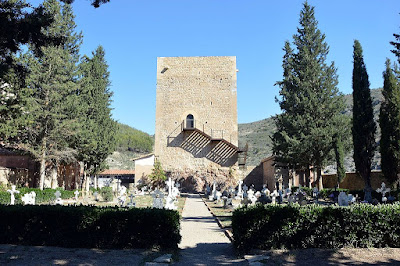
204 87
353 181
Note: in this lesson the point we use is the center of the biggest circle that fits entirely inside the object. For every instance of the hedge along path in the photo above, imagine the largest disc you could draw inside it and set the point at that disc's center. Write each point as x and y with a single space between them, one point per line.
203 242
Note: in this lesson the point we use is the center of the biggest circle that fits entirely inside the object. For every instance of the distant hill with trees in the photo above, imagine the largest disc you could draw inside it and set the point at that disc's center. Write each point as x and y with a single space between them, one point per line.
131 143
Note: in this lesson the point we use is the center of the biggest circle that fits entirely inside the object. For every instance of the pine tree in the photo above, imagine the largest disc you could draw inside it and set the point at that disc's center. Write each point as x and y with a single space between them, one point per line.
364 127
97 138
389 121
310 102
53 83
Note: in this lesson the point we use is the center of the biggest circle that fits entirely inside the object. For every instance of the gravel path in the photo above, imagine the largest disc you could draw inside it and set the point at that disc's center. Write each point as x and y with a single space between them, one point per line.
203 242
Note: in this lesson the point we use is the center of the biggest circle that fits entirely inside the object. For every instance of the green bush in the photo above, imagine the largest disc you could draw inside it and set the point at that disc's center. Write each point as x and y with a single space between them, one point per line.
107 193
89 227
315 226
324 193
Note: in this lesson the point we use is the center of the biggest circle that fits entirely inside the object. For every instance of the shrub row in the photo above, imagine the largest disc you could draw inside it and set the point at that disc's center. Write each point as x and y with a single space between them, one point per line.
46 195
89 227
315 226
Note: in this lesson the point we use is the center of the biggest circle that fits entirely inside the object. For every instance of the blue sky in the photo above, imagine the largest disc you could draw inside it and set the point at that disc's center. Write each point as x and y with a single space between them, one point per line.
134 33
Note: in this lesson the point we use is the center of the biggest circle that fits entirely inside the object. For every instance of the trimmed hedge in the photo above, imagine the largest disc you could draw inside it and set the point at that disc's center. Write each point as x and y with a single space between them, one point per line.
315 226
89 227
46 195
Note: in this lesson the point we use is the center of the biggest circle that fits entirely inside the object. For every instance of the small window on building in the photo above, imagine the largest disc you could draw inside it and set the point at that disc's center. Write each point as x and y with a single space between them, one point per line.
190 121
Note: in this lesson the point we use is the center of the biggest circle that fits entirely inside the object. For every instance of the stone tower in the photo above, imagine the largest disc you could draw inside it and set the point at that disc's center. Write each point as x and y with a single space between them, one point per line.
196 113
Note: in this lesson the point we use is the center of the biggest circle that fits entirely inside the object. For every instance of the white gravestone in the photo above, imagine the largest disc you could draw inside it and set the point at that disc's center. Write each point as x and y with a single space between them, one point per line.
218 195
59 201
274 195
13 191
240 191
29 198
383 190
265 191
251 196
170 200
131 203
76 193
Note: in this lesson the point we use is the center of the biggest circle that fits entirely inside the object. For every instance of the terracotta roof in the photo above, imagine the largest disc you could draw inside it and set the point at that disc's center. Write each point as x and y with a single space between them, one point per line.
117 172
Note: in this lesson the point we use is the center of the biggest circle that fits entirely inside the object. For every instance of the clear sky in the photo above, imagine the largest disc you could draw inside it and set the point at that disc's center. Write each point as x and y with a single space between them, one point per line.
135 32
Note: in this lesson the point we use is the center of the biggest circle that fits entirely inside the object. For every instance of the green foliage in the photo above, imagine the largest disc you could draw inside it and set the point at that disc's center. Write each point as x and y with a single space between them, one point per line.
315 226
97 137
389 121
324 193
53 105
364 127
339 155
312 109
107 193
129 138
89 227
157 175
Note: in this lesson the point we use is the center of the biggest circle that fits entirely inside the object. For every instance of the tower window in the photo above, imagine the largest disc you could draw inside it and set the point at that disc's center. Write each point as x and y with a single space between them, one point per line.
190 121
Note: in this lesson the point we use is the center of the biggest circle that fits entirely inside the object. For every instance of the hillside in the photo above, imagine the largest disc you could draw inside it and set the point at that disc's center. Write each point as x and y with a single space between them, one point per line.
131 143
258 134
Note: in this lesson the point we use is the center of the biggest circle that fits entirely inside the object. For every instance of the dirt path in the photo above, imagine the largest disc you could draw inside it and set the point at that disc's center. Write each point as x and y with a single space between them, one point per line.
203 242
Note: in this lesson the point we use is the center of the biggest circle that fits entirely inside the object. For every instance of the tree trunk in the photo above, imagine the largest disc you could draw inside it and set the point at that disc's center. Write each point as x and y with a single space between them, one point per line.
319 179
368 188
42 173
53 174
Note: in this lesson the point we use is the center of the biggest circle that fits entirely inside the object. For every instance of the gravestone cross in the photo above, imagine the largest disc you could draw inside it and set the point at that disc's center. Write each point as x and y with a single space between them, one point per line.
13 191
383 189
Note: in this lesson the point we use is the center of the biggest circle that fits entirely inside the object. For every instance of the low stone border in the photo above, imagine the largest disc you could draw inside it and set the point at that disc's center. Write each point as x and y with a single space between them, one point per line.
228 233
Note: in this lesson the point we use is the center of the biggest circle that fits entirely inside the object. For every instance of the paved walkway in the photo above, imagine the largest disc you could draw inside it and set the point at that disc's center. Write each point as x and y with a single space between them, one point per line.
203 242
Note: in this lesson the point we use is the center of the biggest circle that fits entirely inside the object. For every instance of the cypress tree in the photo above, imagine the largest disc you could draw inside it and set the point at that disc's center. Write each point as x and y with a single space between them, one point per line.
339 155
310 102
389 121
364 126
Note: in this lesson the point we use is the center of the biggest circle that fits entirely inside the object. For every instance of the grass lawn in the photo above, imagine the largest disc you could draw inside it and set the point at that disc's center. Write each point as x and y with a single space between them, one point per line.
224 215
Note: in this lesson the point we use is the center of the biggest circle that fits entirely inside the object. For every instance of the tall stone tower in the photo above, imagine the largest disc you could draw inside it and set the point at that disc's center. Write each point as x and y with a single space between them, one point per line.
196 113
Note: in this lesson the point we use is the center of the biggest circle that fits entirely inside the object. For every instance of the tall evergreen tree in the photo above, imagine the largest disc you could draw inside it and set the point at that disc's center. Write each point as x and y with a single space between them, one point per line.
339 155
389 121
310 101
53 83
97 138
364 127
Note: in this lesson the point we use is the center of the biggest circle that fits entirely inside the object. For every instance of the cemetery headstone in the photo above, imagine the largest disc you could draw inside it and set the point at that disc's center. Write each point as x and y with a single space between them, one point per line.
131 203
274 195
96 196
343 199
58 201
218 195
13 191
29 198
240 191
76 193
245 189
383 190
158 197
170 200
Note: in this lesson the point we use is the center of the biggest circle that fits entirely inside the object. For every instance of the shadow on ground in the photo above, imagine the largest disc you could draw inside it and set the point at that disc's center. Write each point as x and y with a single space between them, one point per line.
210 254
333 257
